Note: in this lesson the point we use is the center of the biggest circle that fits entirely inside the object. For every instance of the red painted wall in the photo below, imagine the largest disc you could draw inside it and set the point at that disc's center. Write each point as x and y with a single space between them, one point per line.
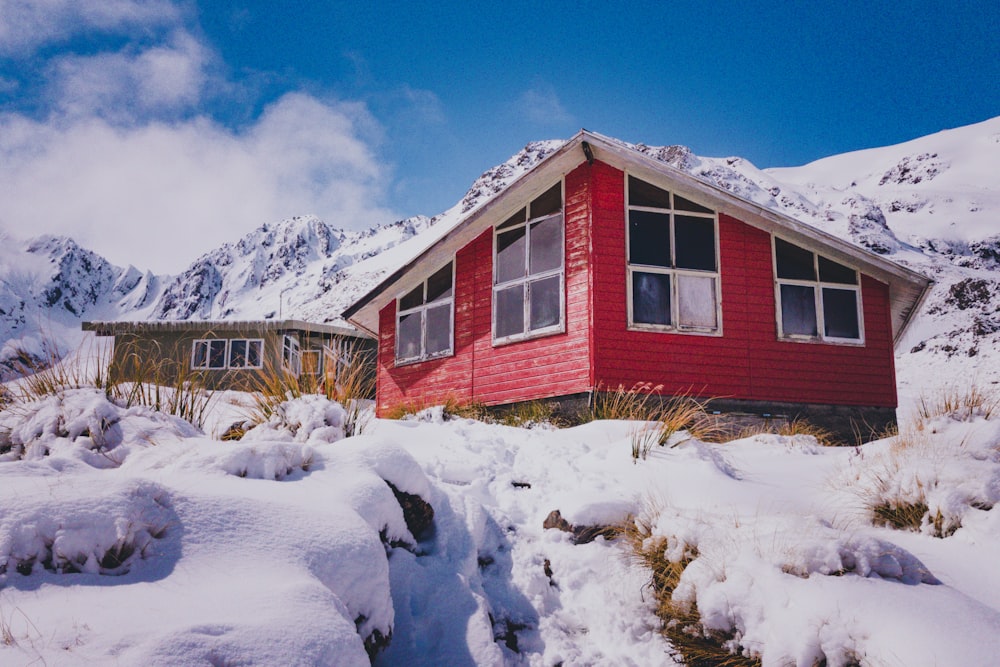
747 362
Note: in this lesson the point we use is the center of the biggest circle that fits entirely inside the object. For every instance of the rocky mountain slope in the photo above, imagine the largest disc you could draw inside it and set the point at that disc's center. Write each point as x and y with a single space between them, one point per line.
932 204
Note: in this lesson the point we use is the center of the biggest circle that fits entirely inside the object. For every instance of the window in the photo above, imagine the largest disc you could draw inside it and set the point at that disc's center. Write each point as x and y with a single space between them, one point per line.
673 270
291 355
528 275
209 354
818 299
246 353
424 318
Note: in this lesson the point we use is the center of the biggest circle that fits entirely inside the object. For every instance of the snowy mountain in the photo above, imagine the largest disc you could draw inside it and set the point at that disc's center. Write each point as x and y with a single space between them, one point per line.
932 204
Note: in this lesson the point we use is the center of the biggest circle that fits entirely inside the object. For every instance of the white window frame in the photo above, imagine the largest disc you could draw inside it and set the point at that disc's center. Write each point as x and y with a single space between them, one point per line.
249 342
208 354
529 278
422 311
291 354
818 286
673 272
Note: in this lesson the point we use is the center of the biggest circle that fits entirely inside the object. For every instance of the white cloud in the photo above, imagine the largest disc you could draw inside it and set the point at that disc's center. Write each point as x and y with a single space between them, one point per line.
541 105
157 195
161 78
28 24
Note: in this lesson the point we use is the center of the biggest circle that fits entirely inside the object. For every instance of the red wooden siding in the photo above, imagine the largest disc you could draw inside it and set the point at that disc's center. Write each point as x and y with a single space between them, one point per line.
747 361
552 365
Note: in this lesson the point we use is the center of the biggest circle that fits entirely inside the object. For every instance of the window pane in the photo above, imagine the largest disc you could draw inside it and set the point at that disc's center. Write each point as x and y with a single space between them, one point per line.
544 306
832 272
438 329
650 298
682 204
696 302
509 311
641 193
408 336
793 262
798 310
515 219
237 354
255 353
217 353
695 239
199 354
840 313
549 201
412 299
439 284
510 255
649 238
546 250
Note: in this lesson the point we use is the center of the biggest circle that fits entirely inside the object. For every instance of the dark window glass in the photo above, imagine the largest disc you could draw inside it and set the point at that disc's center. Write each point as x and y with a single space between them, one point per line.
439 284
545 252
509 311
515 219
793 262
412 299
549 201
695 239
200 354
840 313
832 272
649 238
650 298
255 353
682 204
438 329
798 310
510 255
217 353
408 336
641 193
544 307
237 354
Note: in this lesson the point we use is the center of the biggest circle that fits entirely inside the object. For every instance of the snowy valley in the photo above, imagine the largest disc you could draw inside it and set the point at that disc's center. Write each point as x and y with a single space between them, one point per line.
132 537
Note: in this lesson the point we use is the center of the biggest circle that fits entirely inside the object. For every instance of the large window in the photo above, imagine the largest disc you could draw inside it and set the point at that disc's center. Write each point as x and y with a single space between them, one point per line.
220 353
818 299
291 355
528 275
673 268
425 317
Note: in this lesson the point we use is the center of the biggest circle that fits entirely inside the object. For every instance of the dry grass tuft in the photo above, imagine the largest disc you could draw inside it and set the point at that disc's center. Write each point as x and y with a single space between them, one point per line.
682 624
962 404
797 426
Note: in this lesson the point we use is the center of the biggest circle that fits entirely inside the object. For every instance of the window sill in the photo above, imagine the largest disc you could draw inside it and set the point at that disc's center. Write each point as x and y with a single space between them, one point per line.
410 362
520 338
654 328
816 340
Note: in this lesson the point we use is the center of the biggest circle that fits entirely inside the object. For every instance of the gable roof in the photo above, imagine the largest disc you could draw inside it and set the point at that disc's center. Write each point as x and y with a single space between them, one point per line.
907 288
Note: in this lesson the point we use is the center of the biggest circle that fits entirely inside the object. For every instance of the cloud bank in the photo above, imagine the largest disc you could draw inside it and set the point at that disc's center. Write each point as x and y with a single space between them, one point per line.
120 154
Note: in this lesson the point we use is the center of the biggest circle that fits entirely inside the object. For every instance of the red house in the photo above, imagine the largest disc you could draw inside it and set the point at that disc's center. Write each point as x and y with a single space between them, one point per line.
603 267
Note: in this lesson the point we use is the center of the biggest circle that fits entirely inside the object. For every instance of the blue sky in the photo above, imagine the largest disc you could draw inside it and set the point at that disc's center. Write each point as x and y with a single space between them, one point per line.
153 130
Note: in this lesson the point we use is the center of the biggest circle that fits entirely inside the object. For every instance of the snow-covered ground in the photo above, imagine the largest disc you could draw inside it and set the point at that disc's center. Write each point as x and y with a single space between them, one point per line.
128 537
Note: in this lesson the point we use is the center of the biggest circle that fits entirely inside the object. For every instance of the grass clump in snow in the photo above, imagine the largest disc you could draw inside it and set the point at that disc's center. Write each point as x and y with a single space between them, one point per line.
682 624
352 387
962 404
794 427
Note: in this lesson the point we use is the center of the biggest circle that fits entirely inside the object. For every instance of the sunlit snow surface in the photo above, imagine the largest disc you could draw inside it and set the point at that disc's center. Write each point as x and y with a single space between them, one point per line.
273 550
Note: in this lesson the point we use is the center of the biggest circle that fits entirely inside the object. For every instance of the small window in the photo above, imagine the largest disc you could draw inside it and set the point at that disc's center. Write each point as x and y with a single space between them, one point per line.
672 262
818 298
246 353
425 318
528 275
291 355
209 354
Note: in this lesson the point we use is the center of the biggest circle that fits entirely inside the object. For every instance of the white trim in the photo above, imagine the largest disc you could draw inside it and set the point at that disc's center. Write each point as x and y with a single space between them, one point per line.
291 354
529 278
818 287
208 354
248 341
672 271
422 311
